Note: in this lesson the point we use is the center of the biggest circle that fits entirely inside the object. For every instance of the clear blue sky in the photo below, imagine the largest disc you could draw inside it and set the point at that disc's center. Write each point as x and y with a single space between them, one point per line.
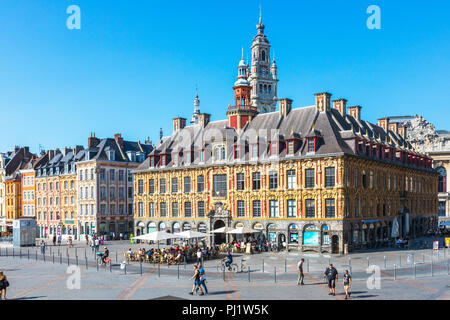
134 65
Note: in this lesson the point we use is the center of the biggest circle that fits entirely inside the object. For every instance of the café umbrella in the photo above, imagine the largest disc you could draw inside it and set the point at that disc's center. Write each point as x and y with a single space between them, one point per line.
222 230
156 236
190 234
243 230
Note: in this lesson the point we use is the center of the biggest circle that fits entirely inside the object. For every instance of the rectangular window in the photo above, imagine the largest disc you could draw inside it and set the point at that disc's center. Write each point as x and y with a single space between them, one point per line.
309 178
102 174
255 151
240 181
201 209
220 185
112 174
273 208
112 192
187 184
329 177
256 208
291 183
330 208
355 178
290 147
187 209
291 208
311 147
240 208
151 186
356 208
256 180
121 193
273 149
140 186
310 208
121 175
162 209
174 209
140 209
151 209
273 180
162 186
200 183
121 209
174 185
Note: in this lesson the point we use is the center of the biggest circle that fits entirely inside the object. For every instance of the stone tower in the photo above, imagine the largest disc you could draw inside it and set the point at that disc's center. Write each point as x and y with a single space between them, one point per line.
263 75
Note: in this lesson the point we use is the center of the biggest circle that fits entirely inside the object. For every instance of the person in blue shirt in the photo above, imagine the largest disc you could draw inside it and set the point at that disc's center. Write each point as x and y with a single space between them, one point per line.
228 260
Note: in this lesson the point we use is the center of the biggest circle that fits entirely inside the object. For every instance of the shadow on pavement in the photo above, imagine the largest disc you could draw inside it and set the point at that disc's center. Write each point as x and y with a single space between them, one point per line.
220 292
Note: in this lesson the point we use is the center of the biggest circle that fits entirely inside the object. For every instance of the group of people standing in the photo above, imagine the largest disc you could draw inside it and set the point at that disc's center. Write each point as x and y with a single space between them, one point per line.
331 275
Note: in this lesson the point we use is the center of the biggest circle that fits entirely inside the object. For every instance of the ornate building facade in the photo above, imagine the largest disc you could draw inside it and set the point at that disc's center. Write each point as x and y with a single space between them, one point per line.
314 178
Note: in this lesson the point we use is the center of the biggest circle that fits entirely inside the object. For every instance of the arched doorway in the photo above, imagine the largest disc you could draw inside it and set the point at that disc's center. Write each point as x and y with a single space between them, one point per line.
219 237
334 244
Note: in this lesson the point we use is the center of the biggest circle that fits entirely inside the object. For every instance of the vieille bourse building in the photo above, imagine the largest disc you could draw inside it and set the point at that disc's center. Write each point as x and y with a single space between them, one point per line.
316 178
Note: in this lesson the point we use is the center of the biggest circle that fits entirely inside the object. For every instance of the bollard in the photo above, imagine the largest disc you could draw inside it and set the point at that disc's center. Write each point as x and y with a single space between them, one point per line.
96 263
431 267
248 274
76 258
384 262
6 251
400 260
223 272
178 271
350 267
28 254
20 253
13 252
76 252
159 270
285 269
263 265
395 272
68 260
116 256
423 257
36 255
125 268
307 265
329 261
60 259
368 261
415 271
43 257
86 262
140 266
275 274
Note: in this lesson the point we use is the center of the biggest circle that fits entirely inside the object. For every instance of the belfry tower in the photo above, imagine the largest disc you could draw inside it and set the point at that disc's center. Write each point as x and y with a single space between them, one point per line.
194 119
263 76
242 111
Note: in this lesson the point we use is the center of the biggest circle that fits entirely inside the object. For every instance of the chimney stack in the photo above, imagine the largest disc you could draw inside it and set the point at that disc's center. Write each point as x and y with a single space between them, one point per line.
148 141
51 154
393 127
119 139
77 149
93 141
384 123
341 105
178 123
203 119
285 106
16 149
323 101
402 130
355 112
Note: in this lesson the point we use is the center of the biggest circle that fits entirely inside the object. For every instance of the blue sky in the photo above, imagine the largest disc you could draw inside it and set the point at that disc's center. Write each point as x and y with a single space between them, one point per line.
134 65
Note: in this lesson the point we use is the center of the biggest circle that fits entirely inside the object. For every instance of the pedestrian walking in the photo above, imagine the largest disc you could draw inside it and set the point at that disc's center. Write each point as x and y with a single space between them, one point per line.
97 243
69 242
121 236
3 285
87 239
59 240
197 283
347 281
199 255
201 271
54 239
301 276
131 239
42 247
331 275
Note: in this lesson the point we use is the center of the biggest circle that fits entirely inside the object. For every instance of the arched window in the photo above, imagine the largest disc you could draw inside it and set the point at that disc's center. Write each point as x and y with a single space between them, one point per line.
442 181
223 153
263 55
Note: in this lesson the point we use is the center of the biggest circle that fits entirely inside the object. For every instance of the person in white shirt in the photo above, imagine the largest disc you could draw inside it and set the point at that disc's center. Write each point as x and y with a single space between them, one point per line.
199 255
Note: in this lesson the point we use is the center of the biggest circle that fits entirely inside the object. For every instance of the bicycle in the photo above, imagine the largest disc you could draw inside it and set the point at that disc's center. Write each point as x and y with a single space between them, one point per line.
100 262
233 267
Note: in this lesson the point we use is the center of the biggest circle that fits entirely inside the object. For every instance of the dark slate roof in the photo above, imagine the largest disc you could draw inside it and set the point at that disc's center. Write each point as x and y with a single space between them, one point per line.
335 135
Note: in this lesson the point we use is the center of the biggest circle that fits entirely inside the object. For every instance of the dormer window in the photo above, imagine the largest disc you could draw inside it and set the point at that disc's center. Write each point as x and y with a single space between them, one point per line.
290 147
88 155
274 148
51 171
311 145
187 157
111 155
131 156
163 160
237 152
152 161
202 155
255 151
219 153
66 168
140 157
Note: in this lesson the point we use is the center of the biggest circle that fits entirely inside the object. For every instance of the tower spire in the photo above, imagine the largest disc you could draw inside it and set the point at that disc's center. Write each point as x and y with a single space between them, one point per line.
194 119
